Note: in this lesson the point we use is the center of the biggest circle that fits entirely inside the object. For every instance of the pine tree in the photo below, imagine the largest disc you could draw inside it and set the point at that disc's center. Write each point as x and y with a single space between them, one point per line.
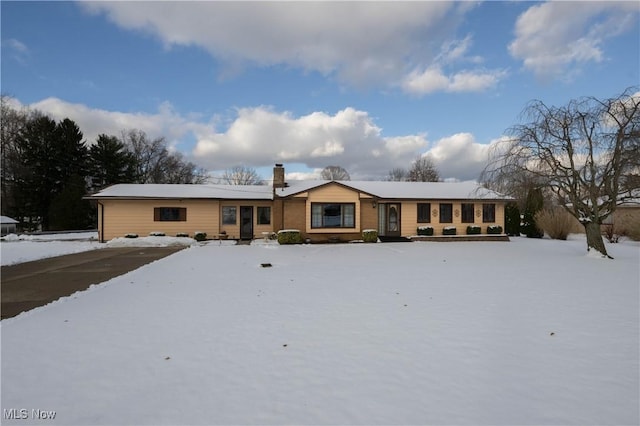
111 162
533 205
51 153
512 219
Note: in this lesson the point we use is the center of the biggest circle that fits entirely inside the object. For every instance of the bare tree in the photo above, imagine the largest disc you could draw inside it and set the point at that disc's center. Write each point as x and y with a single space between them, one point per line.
397 175
423 170
335 173
584 152
242 175
156 164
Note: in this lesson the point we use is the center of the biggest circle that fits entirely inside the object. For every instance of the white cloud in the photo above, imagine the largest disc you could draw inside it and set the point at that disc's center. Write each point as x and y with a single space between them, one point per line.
259 137
19 51
459 156
552 38
434 78
362 43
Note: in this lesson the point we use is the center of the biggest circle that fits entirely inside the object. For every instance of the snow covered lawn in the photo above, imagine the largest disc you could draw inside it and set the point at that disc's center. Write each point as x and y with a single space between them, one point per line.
526 332
25 248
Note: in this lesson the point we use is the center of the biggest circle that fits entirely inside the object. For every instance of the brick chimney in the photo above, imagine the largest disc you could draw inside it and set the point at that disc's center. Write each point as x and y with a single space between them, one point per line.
278 177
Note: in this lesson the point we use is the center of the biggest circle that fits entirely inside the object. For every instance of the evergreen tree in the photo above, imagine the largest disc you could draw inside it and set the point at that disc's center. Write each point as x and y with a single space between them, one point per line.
51 154
533 205
512 219
111 162
68 209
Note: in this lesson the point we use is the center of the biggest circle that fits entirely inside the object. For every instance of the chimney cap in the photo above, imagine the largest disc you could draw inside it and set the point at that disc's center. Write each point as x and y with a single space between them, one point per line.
278 165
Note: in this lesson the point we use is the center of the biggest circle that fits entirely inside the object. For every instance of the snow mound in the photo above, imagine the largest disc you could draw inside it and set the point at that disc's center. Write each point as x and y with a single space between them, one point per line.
151 242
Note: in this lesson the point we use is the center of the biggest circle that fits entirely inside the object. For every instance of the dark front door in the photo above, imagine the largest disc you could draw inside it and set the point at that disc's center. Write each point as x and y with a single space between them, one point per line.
393 220
246 222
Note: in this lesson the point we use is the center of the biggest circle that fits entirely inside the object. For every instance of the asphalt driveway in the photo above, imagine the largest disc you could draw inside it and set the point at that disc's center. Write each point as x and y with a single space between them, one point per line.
31 284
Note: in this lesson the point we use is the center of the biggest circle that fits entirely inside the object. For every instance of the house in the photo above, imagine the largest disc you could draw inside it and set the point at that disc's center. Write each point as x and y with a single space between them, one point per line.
321 210
7 225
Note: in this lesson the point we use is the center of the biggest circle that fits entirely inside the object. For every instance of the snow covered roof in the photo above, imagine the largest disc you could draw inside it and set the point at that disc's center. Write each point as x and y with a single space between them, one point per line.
383 190
405 190
159 191
7 220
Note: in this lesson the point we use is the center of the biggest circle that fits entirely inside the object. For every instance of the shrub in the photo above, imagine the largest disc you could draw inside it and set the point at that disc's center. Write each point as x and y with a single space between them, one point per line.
182 235
512 219
623 224
131 236
200 236
370 236
289 236
533 205
494 229
449 230
473 230
555 221
425 230
157 234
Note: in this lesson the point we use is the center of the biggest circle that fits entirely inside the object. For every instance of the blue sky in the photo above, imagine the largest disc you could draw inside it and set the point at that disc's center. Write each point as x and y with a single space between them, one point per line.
364 85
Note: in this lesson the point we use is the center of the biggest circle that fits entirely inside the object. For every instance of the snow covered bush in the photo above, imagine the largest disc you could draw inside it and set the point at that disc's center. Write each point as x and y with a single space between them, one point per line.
370 236
449 230
473 230
182 235
157 234
200 236
425 230
494 229
289 236
131 236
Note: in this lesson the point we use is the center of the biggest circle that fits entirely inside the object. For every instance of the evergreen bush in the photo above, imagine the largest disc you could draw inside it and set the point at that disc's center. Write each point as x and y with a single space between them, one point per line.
200 236
370 236
425 230
182 235
512 219
473 230
131 236
533 205
494 229
449 230
157 234
289 236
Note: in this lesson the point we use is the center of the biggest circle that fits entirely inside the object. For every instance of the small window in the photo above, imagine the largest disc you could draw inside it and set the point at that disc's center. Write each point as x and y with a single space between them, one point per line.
229 215
467 213
446 215
170 214
264 215
424 212
333 215
488 213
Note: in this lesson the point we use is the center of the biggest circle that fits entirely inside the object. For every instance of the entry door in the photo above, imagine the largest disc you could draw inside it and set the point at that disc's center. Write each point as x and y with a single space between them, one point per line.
246 222
393 220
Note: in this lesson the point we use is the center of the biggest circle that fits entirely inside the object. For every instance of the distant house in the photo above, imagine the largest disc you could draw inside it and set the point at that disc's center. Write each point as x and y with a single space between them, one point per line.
7 225
321 210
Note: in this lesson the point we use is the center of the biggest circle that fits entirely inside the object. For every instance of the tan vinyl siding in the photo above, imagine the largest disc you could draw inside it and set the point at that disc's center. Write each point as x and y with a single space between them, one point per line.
332 193
294 215
461 228
122 217
233 231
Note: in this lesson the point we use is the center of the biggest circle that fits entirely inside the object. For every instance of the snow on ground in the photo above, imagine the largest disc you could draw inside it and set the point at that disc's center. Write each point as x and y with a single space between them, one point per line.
526 332
25 248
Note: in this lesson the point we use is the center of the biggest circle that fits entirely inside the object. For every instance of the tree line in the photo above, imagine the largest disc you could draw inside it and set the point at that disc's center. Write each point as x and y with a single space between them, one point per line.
47 168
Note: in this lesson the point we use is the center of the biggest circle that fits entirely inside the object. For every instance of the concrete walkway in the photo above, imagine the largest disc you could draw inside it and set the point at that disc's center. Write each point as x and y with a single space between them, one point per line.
31 284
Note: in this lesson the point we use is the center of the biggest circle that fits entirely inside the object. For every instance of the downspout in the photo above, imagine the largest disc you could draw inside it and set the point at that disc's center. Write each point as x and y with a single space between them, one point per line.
101 225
